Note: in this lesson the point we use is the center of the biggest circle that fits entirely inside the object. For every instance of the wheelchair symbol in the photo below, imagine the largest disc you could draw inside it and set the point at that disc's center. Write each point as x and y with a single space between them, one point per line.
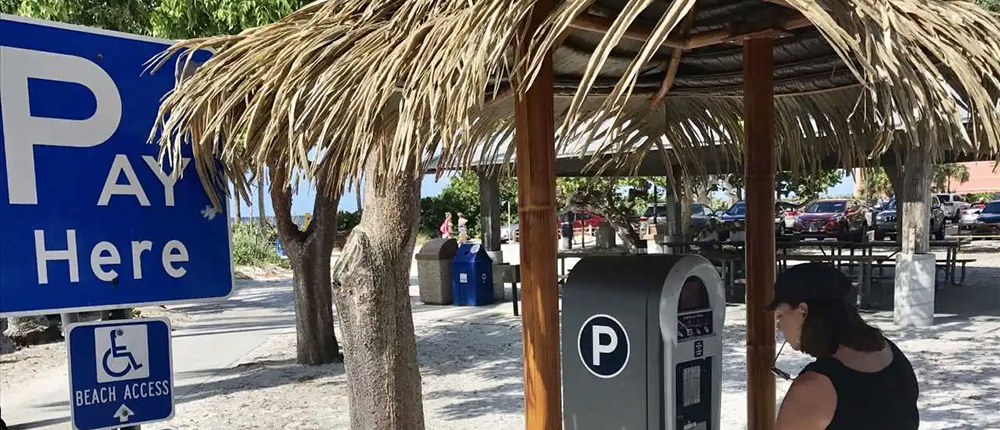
122 353
119 352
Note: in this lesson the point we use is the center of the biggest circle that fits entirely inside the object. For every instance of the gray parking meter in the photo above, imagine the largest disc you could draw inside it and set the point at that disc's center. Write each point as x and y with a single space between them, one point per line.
642 343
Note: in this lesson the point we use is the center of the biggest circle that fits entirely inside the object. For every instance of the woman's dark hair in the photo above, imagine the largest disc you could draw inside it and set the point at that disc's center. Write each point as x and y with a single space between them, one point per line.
832 323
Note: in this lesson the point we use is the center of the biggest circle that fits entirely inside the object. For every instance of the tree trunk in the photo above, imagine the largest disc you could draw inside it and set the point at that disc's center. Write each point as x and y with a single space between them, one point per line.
236 204
895 171
260 201
31 330
371 288
309 253
6 345
357 196
915 202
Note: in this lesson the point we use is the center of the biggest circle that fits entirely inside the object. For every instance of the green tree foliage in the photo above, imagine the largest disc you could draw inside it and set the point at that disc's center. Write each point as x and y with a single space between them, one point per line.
462 195
177 19
980 197
943 175
347 220
130 16
9 6
992 5
254 245
807 186
618 200
875 184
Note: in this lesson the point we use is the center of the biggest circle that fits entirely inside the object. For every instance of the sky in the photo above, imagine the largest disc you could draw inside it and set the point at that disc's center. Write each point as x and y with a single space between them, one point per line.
303 201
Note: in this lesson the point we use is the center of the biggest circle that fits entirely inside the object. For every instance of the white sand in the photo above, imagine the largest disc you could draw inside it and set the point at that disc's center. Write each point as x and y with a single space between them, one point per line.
470 362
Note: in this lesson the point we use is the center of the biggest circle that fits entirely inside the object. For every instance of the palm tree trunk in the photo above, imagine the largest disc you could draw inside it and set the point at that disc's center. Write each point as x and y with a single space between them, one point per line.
237 210
31 330
371 289
260 201
357 196
6 345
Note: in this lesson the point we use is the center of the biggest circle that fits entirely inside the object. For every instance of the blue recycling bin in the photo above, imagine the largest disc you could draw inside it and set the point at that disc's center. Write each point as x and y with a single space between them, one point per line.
472 276
279 248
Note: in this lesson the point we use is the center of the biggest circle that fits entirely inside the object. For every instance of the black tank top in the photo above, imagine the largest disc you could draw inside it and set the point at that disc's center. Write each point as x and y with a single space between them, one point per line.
883 400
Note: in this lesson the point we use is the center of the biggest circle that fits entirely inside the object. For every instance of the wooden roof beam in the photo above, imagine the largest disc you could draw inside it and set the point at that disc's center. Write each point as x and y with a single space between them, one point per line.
675 61
597 24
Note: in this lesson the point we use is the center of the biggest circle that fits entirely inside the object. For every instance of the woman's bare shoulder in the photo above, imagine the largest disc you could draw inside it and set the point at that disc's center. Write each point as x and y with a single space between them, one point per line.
809 404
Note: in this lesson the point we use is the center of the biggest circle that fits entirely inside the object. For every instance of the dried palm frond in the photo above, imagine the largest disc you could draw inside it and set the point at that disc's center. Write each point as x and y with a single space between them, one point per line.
919 63
313 91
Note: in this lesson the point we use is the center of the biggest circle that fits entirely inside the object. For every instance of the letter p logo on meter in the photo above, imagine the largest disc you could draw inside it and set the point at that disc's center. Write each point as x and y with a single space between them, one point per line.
603 346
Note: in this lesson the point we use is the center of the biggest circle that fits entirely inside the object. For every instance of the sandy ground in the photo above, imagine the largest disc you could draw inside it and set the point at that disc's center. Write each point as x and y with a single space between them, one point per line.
470 361
472 376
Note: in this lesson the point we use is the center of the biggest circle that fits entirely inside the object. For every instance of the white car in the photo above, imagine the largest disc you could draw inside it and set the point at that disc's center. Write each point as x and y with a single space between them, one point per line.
953 205
968 218
509 233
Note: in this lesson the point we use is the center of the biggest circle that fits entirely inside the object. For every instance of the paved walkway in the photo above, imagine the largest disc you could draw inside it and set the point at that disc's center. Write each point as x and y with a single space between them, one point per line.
207 339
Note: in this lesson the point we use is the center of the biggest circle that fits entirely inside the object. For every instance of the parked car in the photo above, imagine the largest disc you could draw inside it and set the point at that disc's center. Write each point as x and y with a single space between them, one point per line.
579 220
509 233
658 211
885 222
989 219
839 218
788 211
735 218
967 220
700 215
952 205
582 220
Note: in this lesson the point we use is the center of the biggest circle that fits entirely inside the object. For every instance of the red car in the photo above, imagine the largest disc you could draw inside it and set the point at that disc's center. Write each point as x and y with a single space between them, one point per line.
580 220
838 218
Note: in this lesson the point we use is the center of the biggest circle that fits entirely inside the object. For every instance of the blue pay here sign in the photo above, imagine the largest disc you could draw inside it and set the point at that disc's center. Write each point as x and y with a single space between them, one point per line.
120 373
91 220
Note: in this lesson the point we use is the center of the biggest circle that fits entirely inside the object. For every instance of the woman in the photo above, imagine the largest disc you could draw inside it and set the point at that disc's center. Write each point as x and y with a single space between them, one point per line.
860 380
463 229
445 228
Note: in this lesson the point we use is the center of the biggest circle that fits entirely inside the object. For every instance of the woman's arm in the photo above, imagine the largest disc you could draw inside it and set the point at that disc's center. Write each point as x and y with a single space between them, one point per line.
809 404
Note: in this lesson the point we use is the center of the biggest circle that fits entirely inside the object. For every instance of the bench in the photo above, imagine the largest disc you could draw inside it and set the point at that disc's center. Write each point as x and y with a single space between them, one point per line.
940 265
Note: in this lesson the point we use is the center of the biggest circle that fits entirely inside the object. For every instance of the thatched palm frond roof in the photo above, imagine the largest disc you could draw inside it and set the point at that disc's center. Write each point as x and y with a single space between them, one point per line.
312 91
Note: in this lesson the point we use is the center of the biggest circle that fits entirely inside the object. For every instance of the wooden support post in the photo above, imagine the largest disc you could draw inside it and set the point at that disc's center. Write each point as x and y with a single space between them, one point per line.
758 112
536 189
489 210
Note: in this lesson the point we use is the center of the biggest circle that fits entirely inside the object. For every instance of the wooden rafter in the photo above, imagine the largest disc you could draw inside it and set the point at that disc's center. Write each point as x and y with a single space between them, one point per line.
675 61
782 24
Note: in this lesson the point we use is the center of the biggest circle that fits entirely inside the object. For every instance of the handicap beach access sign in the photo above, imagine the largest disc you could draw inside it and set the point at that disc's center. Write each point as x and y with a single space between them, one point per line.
120 373
90 218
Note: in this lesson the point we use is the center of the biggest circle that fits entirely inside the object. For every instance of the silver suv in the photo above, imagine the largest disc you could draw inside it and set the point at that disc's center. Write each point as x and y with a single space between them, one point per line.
953 205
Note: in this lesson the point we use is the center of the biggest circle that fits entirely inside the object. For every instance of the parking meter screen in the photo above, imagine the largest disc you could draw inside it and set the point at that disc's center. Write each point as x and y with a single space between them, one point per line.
694 295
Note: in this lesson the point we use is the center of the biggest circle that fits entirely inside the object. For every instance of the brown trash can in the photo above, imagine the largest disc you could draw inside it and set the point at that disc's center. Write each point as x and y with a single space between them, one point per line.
434 271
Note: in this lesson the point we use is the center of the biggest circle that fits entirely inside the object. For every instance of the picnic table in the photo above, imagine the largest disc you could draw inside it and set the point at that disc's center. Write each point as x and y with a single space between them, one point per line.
729 254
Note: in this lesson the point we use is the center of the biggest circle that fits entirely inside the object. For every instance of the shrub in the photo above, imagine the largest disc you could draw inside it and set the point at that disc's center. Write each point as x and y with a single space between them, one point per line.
254 245
347 220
